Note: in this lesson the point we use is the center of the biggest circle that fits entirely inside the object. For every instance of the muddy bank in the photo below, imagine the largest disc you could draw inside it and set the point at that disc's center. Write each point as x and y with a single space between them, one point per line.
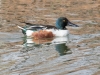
46 12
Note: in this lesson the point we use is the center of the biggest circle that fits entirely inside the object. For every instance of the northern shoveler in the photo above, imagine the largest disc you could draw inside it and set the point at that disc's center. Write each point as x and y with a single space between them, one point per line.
47 31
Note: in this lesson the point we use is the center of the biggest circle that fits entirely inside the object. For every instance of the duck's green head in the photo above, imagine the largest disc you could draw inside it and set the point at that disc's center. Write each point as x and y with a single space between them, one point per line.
61 22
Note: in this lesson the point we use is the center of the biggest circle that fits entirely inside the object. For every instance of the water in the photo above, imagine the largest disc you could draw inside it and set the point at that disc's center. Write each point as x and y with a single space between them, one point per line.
62 49
7 37
26 56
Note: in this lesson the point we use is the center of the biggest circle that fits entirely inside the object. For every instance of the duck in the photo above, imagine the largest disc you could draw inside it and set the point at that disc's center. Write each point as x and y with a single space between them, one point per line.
39 31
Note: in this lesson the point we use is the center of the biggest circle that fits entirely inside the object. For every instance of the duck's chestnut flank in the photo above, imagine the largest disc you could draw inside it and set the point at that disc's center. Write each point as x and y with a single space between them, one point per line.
42 34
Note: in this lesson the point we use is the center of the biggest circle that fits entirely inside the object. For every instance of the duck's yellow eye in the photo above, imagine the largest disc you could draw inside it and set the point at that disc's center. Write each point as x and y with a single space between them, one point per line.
64 20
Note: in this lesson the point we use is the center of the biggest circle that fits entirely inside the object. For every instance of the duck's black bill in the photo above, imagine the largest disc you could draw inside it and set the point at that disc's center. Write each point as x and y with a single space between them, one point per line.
72 24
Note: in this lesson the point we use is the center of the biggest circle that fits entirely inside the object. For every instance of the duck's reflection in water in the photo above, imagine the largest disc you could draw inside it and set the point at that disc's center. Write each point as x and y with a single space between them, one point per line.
58 42
54 40
62 49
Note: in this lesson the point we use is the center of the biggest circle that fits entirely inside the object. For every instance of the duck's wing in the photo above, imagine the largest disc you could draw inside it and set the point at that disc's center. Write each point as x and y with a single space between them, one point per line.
39 26
35 28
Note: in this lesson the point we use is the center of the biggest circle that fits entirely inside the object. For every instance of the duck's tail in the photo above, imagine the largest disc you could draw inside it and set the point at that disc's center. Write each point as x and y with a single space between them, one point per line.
21 27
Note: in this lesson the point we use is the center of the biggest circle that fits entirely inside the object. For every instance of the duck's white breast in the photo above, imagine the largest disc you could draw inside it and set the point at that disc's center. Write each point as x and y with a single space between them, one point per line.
29 32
